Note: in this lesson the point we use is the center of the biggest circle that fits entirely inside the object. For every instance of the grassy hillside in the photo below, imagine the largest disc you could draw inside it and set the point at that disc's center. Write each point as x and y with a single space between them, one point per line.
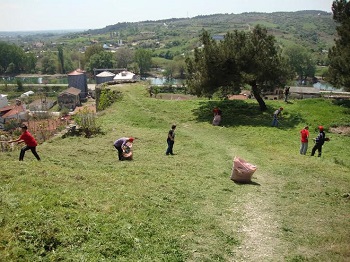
81 204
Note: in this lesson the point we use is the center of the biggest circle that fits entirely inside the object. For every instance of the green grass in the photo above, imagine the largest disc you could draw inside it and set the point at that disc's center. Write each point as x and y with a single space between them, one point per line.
81 204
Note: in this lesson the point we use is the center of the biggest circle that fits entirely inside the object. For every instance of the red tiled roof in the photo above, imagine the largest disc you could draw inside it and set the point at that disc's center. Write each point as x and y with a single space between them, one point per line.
16 110
6 108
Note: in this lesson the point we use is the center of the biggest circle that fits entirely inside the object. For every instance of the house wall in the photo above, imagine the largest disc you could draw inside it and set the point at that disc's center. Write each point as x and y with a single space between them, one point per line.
79 82
69 101
3 101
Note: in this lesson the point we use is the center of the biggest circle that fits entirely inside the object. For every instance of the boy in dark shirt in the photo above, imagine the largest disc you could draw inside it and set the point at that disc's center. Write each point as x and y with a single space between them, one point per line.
171 140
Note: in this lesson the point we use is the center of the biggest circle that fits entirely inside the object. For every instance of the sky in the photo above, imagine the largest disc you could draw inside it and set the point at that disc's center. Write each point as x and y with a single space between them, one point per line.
34 15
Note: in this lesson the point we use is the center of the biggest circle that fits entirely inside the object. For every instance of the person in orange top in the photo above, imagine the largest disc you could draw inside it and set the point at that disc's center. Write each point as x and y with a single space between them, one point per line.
29 140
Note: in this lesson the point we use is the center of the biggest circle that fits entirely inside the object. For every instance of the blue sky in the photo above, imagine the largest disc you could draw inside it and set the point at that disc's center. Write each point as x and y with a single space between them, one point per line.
28 15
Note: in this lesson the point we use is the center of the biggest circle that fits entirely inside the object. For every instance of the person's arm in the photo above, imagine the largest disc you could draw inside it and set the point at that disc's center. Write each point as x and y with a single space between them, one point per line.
170 135
16 140
124 143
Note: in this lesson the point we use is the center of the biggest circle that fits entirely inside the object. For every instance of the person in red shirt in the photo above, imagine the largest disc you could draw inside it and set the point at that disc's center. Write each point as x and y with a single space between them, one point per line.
29 140
304 138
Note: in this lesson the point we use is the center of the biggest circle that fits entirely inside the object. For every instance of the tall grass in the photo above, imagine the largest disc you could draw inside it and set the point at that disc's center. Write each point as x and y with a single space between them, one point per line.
81 204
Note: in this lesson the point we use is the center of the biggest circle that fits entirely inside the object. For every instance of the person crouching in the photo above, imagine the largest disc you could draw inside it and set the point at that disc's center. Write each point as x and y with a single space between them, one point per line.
121 143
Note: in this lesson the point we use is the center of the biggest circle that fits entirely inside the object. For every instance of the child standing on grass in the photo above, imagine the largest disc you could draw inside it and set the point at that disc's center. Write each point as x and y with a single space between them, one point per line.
304 138
30 142
319 141
171 140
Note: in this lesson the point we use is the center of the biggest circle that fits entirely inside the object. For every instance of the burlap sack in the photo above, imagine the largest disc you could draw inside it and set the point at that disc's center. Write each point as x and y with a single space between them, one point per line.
242 171
127 152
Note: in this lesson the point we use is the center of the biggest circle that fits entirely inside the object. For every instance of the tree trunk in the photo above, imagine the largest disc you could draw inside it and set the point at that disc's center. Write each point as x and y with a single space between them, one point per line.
257 96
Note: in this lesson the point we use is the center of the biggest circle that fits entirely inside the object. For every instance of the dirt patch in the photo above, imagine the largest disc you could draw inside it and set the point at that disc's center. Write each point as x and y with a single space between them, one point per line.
175 97
342 130
261 228
238 97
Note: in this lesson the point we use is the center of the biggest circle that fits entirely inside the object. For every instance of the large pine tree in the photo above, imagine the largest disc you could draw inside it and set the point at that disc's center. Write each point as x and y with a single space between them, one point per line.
339 55
242 58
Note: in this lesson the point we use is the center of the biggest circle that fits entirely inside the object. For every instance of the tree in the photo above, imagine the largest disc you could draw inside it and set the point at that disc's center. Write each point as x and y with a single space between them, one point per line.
91 50
203 68
101 60
49 64
30 63
143 58
61 59
124 57
339 54
301 62
242 58
12 58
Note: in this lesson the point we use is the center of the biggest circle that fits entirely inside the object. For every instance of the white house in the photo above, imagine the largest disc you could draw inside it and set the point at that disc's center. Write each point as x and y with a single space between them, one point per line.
125 76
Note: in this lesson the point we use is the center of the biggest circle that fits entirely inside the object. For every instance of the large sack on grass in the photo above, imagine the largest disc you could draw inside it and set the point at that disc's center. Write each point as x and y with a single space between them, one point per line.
242 171
127 151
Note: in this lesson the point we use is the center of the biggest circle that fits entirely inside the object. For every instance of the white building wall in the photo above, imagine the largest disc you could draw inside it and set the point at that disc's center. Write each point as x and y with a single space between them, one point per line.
3 101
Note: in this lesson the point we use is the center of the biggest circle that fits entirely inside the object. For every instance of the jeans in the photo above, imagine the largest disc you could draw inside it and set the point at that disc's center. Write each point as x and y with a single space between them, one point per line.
274 122
303 148
170 147
24 149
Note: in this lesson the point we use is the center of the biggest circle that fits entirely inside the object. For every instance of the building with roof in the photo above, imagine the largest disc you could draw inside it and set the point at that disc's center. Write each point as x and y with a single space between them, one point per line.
104 77
304 92
41 104
125 76
78 79
69 98
15 112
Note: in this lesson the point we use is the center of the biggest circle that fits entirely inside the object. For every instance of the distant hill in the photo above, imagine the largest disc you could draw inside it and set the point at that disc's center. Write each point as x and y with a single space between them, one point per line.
313 29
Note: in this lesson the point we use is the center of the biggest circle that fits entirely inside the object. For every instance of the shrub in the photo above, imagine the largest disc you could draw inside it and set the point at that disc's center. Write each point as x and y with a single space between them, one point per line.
86 120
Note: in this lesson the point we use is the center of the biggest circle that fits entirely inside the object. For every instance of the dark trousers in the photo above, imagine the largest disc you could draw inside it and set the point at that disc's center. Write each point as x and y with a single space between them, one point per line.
318 147
120 152
24 149
170 147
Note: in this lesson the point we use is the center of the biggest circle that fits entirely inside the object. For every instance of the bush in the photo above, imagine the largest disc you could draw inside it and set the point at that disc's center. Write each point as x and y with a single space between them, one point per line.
105 98
86 120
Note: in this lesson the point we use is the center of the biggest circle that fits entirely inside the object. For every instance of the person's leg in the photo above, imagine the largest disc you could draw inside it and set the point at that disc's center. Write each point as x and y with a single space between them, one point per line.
302 149
120 152
23 151
313 150
319 150
171 147
273 122
305 147
35 153
167 152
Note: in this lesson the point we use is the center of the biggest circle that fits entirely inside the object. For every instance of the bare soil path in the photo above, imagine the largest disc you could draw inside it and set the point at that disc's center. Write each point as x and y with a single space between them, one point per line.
261 227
